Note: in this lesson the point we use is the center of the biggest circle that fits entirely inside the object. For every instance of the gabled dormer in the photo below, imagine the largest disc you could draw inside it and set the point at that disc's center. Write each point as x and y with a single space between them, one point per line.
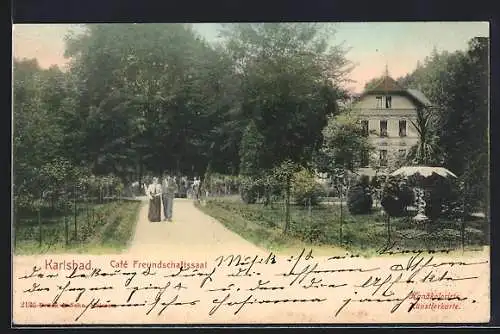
388 94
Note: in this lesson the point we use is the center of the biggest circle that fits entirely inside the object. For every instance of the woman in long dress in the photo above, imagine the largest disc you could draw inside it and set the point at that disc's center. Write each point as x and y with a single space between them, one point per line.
154 194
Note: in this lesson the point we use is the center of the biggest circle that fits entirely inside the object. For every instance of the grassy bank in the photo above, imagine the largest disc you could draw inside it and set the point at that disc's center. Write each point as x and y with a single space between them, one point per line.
364 234
101 228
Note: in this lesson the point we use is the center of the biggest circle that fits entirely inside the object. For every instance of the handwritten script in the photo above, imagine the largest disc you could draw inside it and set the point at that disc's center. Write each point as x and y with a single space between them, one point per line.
237 286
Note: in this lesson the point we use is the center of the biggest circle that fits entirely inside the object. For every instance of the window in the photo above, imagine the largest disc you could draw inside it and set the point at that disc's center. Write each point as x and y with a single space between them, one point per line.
364 125
402 128
383 128
383 158
388 101
379 102
365 161
402 154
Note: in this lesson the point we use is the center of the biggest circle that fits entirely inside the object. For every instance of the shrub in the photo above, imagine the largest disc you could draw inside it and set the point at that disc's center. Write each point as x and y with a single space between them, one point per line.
305 188
441 199
313 232
254 188
251 146
376 185
406 194
359 198
377 181
330 192
249 190
271 187
396 196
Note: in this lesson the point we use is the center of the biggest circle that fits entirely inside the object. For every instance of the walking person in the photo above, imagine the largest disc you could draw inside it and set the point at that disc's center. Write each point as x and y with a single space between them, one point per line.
196 187
154 192
169 188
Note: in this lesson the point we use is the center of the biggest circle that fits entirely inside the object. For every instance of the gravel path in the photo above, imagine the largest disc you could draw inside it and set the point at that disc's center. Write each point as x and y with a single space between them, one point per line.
191 232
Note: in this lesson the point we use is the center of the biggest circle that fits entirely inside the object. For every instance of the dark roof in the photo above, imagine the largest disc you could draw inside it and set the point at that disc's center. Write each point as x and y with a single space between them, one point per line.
419 96
389 85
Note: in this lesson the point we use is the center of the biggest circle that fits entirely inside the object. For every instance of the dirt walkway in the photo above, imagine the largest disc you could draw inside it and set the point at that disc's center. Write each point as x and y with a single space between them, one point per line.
191 232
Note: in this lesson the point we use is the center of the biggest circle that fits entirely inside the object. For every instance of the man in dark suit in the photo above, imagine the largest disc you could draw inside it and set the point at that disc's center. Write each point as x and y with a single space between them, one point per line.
169 188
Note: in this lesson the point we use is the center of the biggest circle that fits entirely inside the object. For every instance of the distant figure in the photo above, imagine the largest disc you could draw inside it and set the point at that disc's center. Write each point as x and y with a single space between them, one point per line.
169 188
135 188
185 183
138 189
196 187
154 192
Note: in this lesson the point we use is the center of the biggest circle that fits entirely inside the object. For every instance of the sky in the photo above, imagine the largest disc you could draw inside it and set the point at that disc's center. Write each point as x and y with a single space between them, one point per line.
371 45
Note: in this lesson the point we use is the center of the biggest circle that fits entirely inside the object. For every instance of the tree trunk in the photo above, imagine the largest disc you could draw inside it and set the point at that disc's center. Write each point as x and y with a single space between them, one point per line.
140 175
309 208
343 192
341 218
267 199
14 224
65 215
388 229
87 209
462 227
287 204
39 226
66 229
75 212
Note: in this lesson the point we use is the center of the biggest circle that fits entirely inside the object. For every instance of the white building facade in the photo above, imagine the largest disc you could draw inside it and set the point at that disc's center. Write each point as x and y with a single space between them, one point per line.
386 112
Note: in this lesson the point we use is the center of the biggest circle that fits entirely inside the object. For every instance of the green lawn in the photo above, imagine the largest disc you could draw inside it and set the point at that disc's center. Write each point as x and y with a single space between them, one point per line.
101 228
363 234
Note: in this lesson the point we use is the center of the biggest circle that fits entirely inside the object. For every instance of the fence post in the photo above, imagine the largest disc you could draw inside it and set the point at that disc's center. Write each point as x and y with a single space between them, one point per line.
75 213
462 235
65 213
66 227
287 204
14 223
341 217
87 210
462 227
40 222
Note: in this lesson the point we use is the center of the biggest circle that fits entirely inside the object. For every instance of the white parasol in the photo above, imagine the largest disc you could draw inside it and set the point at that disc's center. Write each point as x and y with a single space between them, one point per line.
424 171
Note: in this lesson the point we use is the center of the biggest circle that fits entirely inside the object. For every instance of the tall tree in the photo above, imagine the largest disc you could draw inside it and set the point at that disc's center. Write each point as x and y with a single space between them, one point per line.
157 95
457 84
290 79
39 101
341 154
463 124
289 84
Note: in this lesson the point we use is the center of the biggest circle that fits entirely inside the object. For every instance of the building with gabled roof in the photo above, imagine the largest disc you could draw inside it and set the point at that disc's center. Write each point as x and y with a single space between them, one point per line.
386 111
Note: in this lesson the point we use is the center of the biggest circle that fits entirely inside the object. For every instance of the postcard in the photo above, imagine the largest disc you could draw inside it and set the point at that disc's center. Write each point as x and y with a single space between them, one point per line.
251 173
